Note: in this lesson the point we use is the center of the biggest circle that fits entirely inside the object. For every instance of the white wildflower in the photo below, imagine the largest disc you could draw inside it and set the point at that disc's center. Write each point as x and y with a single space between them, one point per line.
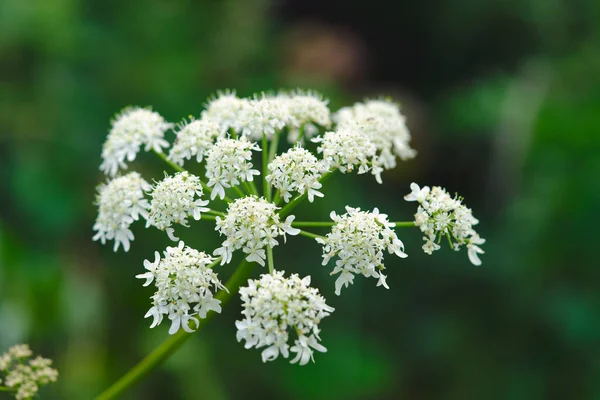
228 163
251 224
194 138
359 239
120 202
226 110
383 123
266 115
131 129
440 215
306 109
296 170
347 149
274 307
25 376
174 199
184 287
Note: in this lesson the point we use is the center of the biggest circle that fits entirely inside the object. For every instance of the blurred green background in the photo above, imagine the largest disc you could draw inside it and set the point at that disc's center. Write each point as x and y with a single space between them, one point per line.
502 98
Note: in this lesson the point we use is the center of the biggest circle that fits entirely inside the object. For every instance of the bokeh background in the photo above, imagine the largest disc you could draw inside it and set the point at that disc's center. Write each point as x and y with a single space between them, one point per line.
502 99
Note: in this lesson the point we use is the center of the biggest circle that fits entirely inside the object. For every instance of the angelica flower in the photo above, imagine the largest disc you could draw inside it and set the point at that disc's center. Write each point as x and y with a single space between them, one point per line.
275 306
225 110
347 149
23 375
120 202
131 129
194 138
307 109
174 199
440 215
296 170
359 239
383 123
265 115
251 224
228 163
184 287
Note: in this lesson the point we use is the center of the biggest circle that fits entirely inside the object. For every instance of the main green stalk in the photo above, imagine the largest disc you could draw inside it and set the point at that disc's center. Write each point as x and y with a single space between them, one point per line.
172 343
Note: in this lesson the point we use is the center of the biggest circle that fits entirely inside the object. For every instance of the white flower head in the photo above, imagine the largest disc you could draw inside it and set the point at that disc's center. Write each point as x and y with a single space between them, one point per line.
439 215
194 138
228 163
24 375
307 110
120 202
251 224
266 115
174 199
383 123
348 149
185 285
226 110
130 130
275 307
359 239
296 170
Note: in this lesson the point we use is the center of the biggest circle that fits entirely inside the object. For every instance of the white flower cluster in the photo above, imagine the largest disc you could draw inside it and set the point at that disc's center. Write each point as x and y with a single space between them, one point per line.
296 170
348 149
174 200
225 109
228 163
184 287
194 138
360 239
441 215
251 224
131 129
120 202
268 114
274 306
383 123
24 379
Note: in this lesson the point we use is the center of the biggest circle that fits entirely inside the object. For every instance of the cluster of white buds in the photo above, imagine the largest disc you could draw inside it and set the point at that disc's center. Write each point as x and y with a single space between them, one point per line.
441 215
229 162
251 224
296 170
348 149
120 202
174 199
308 110
264 115
274 307
359 239
184 284
383 123
24 376
131 129
194 138
225 109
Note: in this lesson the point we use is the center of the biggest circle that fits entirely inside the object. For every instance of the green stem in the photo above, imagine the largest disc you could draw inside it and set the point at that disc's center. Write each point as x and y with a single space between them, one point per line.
274 144
311 235
214 212
312 224
277 198
404 224
209 217
265 162
300 198
238 191
5 389
215 263
301 134
173 342
270 259
177 168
